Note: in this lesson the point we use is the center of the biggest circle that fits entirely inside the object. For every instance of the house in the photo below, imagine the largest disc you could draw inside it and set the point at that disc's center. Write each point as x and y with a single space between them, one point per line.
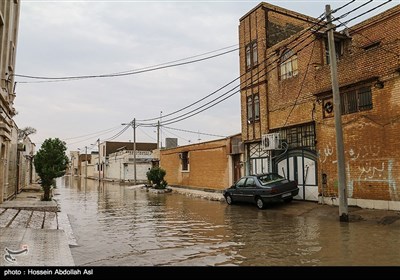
212 165
286 103
117 162
9 19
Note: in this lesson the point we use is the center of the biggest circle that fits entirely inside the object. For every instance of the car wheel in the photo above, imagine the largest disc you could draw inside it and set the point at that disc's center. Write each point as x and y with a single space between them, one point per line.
288 200
260 203
229 199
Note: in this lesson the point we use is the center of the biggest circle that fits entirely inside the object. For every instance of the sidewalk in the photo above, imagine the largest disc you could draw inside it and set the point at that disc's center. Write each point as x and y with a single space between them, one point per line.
33 232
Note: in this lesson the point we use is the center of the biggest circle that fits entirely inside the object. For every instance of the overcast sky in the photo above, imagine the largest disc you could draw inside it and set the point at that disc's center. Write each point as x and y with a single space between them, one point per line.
75 38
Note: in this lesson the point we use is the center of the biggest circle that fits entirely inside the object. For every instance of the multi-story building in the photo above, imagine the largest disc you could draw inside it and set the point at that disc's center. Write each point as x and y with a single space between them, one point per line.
9 19
286 103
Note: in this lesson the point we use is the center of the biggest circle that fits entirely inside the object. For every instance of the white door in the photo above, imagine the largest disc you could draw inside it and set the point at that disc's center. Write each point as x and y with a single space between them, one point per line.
301 167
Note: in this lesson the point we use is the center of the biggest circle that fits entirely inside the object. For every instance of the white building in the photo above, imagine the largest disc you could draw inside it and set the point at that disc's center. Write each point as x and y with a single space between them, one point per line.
121 165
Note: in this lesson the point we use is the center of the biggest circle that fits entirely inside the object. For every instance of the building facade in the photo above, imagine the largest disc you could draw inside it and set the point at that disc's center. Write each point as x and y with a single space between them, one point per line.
9 19
213 165
121 166
115 161
287 108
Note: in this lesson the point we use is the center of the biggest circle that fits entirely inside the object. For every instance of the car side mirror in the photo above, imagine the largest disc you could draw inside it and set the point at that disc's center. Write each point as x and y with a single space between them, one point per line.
233 187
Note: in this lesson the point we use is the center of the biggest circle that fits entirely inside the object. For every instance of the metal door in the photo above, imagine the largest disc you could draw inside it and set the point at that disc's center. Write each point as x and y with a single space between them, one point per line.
300 165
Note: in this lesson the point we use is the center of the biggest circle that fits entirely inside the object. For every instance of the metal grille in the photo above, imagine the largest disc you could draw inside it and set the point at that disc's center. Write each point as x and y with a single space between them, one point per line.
302 136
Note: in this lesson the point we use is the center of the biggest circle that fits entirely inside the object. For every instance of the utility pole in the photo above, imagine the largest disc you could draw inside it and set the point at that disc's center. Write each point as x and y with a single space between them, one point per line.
86 159
133 124
134 150
160 130
343 209
158 134
98 140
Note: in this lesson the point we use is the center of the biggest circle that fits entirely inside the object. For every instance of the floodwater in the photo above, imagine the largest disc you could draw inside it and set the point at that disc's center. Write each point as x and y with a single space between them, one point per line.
126 226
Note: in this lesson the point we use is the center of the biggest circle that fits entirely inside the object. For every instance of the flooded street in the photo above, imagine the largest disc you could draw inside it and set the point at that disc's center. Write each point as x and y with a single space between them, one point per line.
127 226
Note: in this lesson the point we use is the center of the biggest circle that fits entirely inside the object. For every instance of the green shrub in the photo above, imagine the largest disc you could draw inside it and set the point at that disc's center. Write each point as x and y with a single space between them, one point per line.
156 177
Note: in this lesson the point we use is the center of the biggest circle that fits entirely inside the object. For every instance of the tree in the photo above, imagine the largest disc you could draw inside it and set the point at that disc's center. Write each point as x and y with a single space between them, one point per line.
156 176
24 132
50 162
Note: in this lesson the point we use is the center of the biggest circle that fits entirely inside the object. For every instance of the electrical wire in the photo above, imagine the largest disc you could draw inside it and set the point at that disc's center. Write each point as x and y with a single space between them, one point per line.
196 132
72 78
180 117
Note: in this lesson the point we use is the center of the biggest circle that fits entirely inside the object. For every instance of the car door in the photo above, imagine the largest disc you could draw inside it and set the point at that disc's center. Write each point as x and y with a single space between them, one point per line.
238 192
249 190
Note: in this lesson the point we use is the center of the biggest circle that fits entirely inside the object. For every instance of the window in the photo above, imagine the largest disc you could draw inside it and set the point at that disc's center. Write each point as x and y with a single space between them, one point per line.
249 109
254 53
300 136
288 66
251 55
253 108
356 100
250 183
248 57
338 50
256 108
240 183
185 161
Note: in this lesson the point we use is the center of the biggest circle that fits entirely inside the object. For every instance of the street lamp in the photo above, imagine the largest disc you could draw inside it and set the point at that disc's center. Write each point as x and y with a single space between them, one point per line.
133 124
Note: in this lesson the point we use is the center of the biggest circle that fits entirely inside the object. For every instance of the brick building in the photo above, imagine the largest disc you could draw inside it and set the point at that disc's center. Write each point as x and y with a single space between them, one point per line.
286 103
212 165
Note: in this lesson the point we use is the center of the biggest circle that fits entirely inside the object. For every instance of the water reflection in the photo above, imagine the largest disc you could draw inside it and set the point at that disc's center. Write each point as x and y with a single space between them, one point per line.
120 225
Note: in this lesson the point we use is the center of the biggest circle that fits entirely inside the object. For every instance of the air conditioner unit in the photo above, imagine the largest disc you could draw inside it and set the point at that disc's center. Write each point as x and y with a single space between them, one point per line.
270 141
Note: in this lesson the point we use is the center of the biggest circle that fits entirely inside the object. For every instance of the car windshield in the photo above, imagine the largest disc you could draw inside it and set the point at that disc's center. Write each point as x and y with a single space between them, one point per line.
269 178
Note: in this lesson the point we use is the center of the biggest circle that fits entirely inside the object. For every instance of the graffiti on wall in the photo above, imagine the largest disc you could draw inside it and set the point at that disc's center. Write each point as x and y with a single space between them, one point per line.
364 164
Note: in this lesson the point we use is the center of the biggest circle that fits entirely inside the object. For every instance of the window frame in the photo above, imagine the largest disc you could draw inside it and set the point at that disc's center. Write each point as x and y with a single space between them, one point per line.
339 49
253 108
350 99
288 65
251 55
185 161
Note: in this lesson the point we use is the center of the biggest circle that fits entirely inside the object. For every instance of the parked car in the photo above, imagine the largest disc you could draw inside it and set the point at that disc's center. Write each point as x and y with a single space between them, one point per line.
261 189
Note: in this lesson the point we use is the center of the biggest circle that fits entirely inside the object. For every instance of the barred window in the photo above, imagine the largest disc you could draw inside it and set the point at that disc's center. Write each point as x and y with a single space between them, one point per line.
300 136
356 100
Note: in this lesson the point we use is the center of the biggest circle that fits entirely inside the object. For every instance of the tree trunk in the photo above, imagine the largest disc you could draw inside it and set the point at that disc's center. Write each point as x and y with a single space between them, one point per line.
47 194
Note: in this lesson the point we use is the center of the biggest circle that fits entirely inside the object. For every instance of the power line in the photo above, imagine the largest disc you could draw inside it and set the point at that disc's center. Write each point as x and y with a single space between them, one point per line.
369 39
171 133
144 132
193 112
301 86
94 133
180 118
312 51
195 132
344 23
133 72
